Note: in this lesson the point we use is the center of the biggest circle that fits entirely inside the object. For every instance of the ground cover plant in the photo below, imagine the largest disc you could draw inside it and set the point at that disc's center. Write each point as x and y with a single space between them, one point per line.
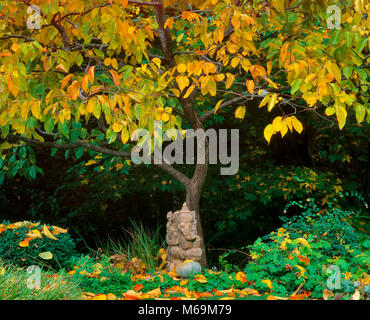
292 263
280 204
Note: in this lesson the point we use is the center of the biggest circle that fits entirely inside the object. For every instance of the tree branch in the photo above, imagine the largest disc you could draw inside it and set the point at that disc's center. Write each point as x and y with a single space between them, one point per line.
183 179
163 33
224 105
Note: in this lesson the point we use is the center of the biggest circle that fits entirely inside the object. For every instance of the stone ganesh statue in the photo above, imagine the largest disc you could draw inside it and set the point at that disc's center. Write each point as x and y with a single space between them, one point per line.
182 237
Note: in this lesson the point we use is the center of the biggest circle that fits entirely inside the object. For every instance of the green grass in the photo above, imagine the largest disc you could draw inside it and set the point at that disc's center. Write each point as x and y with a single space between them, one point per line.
143 243
13 285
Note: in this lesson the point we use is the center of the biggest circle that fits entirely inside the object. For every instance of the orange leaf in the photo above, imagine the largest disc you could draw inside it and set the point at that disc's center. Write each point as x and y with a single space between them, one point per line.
250 86
124 3
66 80
155 292
115 76
91 74
61 68
217 293
12 87
206 294
129 297
74 89
183 282
85 82
138 287
298 297
303 259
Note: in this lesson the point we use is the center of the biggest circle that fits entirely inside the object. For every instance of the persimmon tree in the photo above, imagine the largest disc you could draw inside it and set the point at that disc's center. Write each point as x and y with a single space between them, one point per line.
84 75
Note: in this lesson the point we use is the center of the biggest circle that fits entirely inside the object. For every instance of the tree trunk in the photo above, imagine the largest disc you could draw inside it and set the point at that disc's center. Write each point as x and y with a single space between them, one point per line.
192 201
193 194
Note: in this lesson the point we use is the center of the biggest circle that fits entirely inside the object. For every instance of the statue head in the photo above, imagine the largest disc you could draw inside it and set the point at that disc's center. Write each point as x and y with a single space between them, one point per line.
187 223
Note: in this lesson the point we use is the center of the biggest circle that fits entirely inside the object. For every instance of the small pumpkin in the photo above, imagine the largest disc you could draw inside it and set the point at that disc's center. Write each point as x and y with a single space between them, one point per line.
188 268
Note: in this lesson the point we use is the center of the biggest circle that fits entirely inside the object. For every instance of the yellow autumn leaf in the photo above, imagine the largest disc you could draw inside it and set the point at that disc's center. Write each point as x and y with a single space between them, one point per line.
47 233
268 132
181 67
189 91
183 282
165 117
277 124
303 242
301 269
24 243
155 292
268 283
218 105
229 80
35 108
297 125
57 230
272 102
240 276
250 86
182 82
235 61
34 234
200 278
341 113
125 135
116 127
240 112
107 61
100 297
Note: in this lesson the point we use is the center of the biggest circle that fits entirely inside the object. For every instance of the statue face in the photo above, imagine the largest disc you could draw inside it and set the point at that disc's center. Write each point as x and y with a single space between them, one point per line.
187 226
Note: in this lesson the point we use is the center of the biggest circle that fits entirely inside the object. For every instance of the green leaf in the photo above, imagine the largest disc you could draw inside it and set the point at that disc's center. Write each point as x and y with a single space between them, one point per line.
53 151
111 136
329 111
64 128
46 255
348 38
295 86
79 152
347 71
49 125
360 112
32 172
336 37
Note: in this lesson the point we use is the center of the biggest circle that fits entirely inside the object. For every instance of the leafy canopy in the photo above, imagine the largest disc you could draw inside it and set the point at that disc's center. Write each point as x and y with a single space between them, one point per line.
97 70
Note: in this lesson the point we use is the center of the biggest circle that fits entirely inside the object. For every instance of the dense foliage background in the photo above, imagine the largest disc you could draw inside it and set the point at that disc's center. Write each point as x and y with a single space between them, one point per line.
236 209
